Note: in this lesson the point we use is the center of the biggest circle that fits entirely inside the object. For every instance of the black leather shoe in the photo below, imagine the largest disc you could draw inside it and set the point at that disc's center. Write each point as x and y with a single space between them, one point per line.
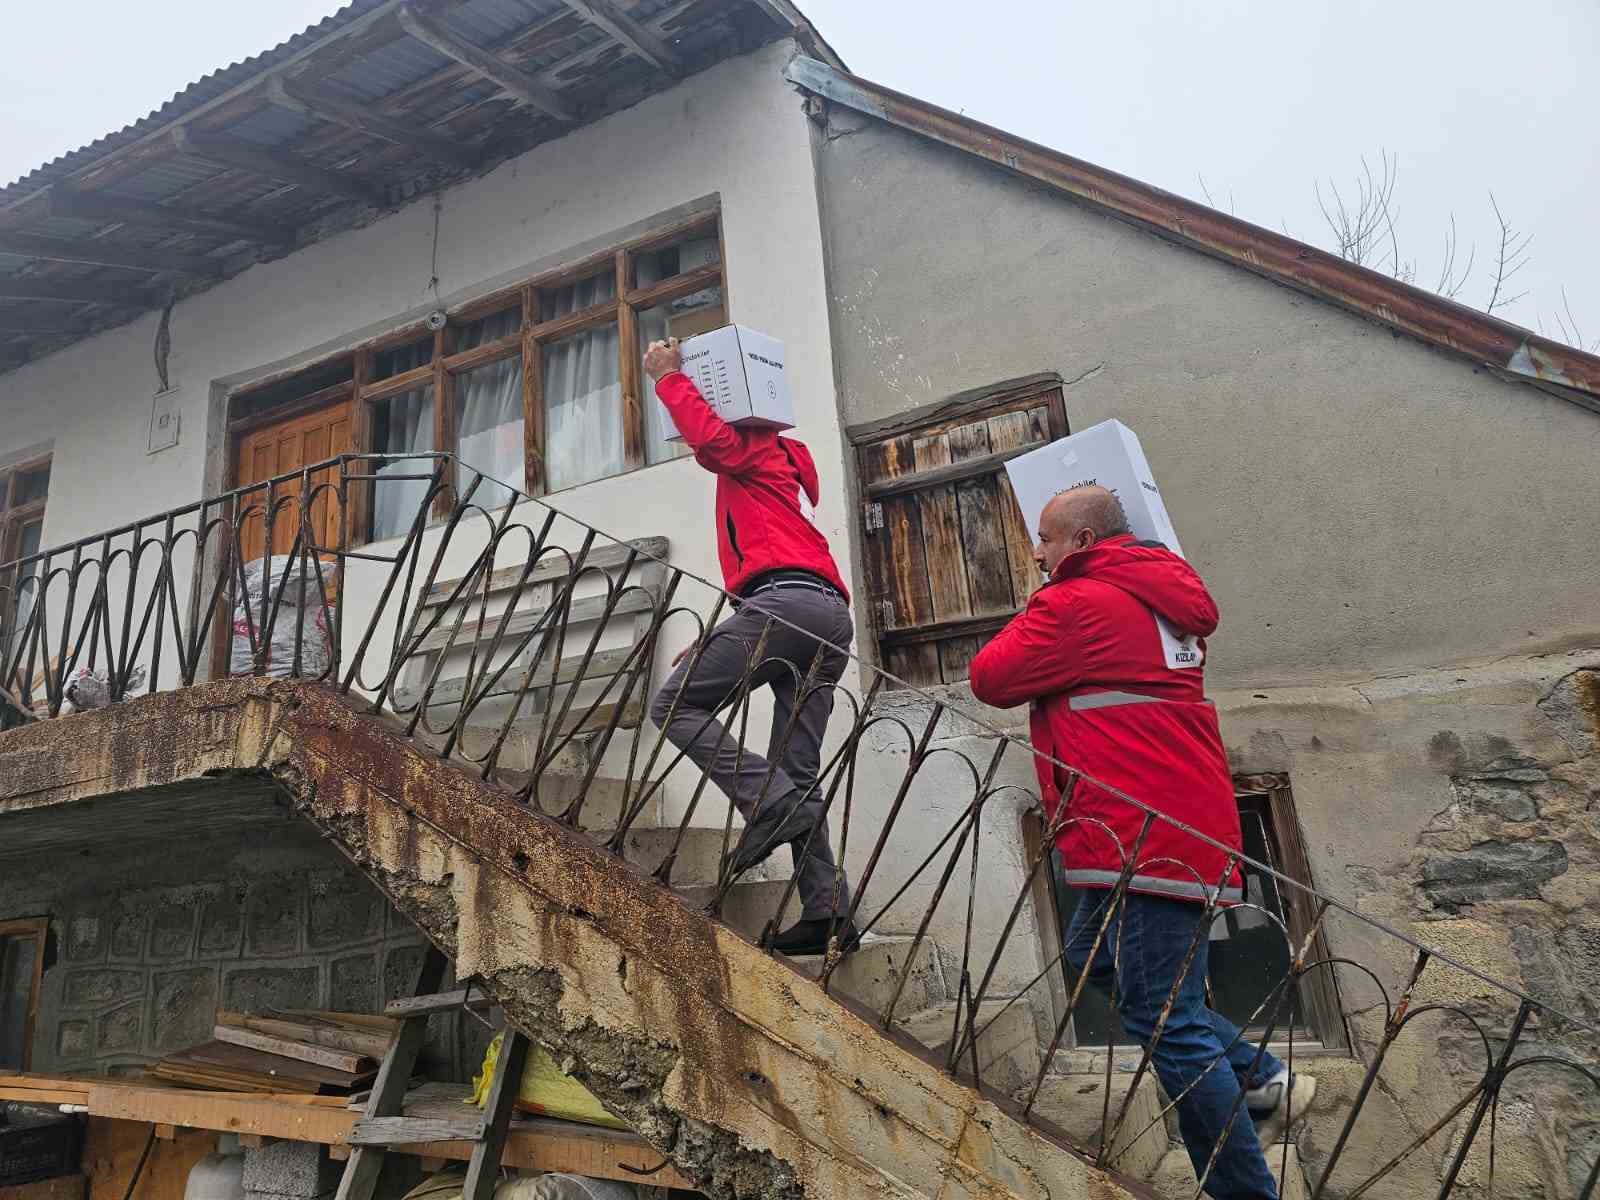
811 937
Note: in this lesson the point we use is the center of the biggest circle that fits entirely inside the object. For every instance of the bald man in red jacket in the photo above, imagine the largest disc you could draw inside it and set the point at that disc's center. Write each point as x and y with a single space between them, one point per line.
776 561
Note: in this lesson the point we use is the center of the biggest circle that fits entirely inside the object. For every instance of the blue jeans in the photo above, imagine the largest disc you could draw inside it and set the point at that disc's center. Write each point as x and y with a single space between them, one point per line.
1151 936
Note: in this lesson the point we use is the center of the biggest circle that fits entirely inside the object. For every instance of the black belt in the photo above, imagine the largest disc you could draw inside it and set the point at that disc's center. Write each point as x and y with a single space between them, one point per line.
789 577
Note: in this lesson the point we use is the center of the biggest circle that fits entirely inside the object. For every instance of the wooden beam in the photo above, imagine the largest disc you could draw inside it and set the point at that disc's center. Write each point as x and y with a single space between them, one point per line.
275 164
99 254
411 1006
91 206
297 97
36 323
75 293
485 62
483 1169
629 32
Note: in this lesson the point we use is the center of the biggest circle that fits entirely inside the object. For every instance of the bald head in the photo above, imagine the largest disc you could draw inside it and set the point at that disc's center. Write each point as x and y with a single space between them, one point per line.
1075 520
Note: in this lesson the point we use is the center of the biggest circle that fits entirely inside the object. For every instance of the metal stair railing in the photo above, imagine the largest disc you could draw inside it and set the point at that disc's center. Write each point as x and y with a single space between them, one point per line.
164 593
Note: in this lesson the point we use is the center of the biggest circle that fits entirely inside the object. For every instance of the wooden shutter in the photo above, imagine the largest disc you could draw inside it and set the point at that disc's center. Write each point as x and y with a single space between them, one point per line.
948 559
287 446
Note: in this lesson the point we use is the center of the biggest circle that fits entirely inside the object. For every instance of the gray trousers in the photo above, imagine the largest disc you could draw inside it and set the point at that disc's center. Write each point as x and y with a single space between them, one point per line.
787 809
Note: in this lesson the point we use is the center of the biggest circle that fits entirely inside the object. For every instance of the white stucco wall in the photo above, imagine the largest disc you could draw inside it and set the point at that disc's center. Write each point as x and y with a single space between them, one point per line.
734 133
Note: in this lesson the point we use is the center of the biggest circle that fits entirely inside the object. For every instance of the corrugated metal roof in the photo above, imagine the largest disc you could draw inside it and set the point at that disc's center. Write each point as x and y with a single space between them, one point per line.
296 177
201 92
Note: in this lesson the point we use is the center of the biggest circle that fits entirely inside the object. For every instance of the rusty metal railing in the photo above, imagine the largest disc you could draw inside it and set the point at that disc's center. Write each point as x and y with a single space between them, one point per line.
554 631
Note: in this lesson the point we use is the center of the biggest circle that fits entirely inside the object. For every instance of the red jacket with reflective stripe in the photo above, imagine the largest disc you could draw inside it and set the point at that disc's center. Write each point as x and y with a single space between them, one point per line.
766 490
1087 654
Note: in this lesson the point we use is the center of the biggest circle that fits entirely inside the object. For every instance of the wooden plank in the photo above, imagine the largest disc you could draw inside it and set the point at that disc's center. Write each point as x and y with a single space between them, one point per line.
955 657
484 62
554 566
75 293
917 663
1007 432
97 253
483 1168
953 472
265 1115
96 206
413 1006
653 49
533 422
588 609
983 538
941 532
361 1041
297 96
62 1187
275 164
939 630
413 1131
633 423
385 1025
325 1056
603 665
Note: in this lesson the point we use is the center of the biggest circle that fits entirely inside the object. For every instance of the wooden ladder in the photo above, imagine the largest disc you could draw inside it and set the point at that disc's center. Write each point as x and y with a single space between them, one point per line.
384 1122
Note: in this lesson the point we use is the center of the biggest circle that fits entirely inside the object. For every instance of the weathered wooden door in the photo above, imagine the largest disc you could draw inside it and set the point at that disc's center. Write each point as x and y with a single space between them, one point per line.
948 560
278 449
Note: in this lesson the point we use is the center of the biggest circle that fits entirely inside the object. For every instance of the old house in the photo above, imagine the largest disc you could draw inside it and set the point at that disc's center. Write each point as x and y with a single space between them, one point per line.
372 305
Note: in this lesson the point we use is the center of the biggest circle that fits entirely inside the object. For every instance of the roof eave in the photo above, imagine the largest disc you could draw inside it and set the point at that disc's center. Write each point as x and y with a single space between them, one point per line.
1509 350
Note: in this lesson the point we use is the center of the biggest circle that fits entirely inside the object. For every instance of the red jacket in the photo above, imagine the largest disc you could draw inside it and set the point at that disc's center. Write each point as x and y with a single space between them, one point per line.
1087 653
766 489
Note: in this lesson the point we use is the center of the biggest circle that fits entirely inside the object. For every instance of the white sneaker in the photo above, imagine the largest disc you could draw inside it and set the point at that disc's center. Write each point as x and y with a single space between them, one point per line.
1279 1103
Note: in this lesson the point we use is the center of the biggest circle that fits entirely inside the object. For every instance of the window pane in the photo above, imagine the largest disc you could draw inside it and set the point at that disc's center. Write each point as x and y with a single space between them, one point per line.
489 426
28 542
397 360
582 389
489 329
30 486
17 956
574 297
653 266
583 408
401 424
681 318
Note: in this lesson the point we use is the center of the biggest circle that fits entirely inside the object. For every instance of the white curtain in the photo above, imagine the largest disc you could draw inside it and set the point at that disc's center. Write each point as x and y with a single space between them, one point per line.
489 420
27 585
406 428
582 391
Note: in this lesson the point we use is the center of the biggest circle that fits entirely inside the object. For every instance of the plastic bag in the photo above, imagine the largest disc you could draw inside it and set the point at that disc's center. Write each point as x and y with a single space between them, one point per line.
301 607
557 1186
89 688
546 1090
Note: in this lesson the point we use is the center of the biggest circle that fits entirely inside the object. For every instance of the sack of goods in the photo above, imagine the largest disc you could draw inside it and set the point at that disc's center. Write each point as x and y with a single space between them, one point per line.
741 375
305 581
1108 454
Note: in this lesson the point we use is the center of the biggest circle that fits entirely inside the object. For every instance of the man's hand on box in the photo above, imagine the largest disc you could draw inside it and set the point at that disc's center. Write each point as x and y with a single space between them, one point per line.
663 358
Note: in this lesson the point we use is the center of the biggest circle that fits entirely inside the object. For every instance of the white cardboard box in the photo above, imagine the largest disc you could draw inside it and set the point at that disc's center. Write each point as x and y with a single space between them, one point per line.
741 374
1108 454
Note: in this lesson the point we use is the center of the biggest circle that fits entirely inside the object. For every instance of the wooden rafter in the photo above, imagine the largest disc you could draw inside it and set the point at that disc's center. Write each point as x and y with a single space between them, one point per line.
99 254
91 206
73 293
298 97
653 49
274 164
485 62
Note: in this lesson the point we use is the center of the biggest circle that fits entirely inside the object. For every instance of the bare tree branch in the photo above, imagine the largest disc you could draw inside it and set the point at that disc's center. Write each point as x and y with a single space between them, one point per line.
1512 257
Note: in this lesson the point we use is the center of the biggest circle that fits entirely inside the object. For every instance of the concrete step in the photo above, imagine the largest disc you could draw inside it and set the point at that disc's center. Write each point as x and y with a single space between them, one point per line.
1174 1178
749 904
870 975
1008 1043
1077 1104
699 855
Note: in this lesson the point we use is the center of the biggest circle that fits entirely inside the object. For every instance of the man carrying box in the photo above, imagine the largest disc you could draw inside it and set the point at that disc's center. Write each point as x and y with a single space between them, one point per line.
778 563
1087 654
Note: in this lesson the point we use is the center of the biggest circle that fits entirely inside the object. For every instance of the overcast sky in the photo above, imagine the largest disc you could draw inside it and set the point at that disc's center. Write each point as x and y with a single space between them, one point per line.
1258 97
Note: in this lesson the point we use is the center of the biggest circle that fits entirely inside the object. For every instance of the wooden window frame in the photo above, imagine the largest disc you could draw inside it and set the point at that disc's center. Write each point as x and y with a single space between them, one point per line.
527 342
1323 1011
38 928
14 516
1013 396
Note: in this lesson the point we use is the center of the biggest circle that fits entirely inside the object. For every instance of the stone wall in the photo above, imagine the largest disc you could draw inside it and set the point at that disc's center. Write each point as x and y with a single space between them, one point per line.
150 940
